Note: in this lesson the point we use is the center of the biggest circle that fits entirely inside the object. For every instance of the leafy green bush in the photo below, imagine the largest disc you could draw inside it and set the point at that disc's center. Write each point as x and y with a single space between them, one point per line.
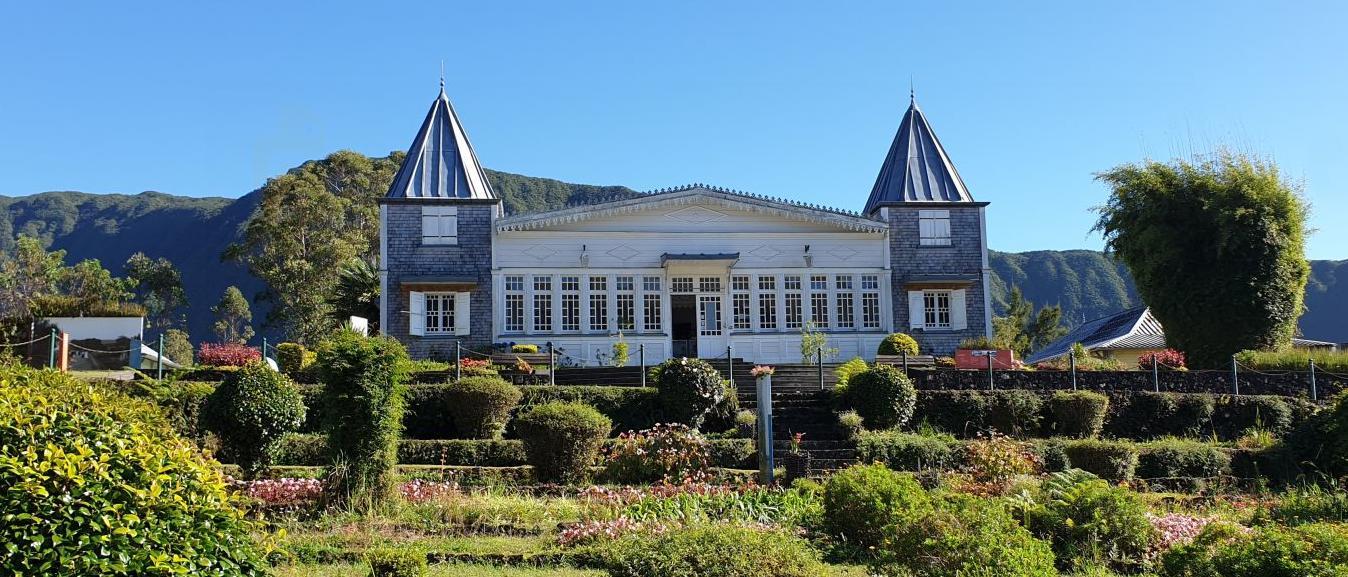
1090 522
712 551
396 563
846 371
462 452
1182 460
908 451
524 349
363 409
732 453
1113 460
1078 414
480 406
1234 415
293 358
1016 412
690 390
668 452
1149 415
561 440
963 536
898 344
250 411
962 413
96 483
1225 550
852 424
861 500
995 461
1310 505
882 395
746 424
631 408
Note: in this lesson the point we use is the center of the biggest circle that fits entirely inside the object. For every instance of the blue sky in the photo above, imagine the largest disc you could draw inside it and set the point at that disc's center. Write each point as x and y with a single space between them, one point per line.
793 99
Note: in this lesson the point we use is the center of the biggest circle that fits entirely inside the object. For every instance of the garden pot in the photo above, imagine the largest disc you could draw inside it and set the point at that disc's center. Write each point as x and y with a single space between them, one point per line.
797 465
1002 359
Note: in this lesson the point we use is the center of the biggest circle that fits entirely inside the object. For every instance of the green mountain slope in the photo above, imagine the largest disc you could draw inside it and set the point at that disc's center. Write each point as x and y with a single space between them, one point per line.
192 232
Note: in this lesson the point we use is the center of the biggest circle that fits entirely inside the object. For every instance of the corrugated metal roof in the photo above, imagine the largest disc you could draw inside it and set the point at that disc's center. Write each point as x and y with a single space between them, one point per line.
441 163
917 168
1102 332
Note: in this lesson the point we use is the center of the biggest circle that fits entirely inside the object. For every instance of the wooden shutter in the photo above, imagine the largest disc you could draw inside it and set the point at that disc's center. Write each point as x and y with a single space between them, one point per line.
959 318
462 302
917 313
416 314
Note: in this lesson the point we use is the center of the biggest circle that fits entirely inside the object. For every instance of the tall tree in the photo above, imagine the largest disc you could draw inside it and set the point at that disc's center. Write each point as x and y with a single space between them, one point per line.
309 223
30 272
89 284
233 318
1021 329
158 287
1216 246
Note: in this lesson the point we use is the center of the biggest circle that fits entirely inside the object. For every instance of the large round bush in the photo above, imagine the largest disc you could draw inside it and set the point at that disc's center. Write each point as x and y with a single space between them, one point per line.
690 390
1225 550
963 536
95 483
882 395
561 440
1090 522
861 500
898 344
712 551
250 411
480 406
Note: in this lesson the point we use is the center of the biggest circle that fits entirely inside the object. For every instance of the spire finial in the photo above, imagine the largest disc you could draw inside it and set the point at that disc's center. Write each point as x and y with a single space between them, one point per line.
442 75
912 92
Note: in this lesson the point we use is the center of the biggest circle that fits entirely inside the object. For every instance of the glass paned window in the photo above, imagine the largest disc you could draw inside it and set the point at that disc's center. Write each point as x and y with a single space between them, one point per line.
794 310
542 320
936 308
819 282
870 282
650 283
651 321
709 284
845 315
439 313
739 283
514 283
870 310
514 303
571 303
627 312
819 310
681 284
623 283
767 302
598 303
740 302
843 282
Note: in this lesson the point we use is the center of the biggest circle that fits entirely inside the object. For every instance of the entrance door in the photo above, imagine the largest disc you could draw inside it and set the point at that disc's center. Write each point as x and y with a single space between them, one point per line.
683 325
711 337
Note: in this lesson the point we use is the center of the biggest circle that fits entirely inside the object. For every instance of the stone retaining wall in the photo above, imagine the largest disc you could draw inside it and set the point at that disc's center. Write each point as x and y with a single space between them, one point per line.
1217 382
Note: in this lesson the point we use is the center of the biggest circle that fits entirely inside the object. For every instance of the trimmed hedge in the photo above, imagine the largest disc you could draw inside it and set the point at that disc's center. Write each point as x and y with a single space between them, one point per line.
309 450
630 408
1148 415
965 413
251 411
562 440
882 395
1078 413
1110 460
908 451
480 406
1179 458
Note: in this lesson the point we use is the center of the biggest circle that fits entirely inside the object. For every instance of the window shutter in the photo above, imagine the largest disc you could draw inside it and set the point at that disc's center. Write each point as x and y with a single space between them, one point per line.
416 314
462 303
917 314
959 319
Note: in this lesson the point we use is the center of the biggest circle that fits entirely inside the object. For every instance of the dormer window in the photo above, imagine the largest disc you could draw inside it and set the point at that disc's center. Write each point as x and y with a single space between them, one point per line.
933 227
439 225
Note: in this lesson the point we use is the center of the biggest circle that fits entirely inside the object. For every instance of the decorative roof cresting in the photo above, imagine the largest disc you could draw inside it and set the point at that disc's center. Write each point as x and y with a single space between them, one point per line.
917 168
441 164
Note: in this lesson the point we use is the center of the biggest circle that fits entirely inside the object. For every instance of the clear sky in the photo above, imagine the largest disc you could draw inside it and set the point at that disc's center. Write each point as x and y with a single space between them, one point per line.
793 99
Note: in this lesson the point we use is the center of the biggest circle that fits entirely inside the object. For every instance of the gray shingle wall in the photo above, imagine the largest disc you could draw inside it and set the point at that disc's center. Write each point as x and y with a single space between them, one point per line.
471 258
964 257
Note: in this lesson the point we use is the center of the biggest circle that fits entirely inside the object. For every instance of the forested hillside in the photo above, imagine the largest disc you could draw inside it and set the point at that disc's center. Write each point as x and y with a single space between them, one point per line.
194 232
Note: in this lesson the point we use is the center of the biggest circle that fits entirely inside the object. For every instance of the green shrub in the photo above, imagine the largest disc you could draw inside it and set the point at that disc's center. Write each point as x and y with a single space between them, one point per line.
250 411
667 452
861 500
1016 412
1224 550
996 461
883 396
363 410
1149 415
1311 505
524 349
712 551
1295 360
1113 460
731 453
847 370
908 451
290 358
746 424
898 344
630 408
961 413
301 449
97 483
690 390
1321 443
480 406
1078 414
963 536
852 424
396 563
1234 415
1090 522
1182 459
561 440
461 452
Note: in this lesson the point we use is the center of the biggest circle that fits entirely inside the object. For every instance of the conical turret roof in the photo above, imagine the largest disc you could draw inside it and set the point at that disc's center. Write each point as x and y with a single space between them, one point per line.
917 168
441 164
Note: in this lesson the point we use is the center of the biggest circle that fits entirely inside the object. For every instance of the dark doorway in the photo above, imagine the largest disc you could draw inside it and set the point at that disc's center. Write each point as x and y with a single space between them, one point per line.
683 321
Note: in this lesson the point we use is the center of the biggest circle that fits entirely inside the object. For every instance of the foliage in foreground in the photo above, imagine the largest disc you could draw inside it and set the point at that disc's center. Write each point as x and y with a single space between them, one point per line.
1233 229
561 440
1225 550
860 501
690 390
363 411
97 484
251 411
712 551
963 536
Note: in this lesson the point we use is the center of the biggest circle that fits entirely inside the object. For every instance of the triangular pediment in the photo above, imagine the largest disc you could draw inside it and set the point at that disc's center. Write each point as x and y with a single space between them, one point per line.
694 209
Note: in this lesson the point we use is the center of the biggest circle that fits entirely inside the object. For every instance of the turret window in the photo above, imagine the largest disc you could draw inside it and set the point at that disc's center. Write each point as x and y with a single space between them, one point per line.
439 225
934 227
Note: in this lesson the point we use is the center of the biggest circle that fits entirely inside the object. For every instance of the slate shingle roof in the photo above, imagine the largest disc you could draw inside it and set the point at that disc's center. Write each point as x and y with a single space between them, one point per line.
917 168
441 163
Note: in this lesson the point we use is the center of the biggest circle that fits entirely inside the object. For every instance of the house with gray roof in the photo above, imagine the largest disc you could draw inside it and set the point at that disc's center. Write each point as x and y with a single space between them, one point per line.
693 270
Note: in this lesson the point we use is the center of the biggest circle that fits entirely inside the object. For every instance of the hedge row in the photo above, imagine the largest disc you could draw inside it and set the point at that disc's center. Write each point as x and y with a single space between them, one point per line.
308 450
1132 415
1163 460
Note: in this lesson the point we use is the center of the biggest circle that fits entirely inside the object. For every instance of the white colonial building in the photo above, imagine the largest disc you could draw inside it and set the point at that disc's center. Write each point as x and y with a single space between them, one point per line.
687 271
